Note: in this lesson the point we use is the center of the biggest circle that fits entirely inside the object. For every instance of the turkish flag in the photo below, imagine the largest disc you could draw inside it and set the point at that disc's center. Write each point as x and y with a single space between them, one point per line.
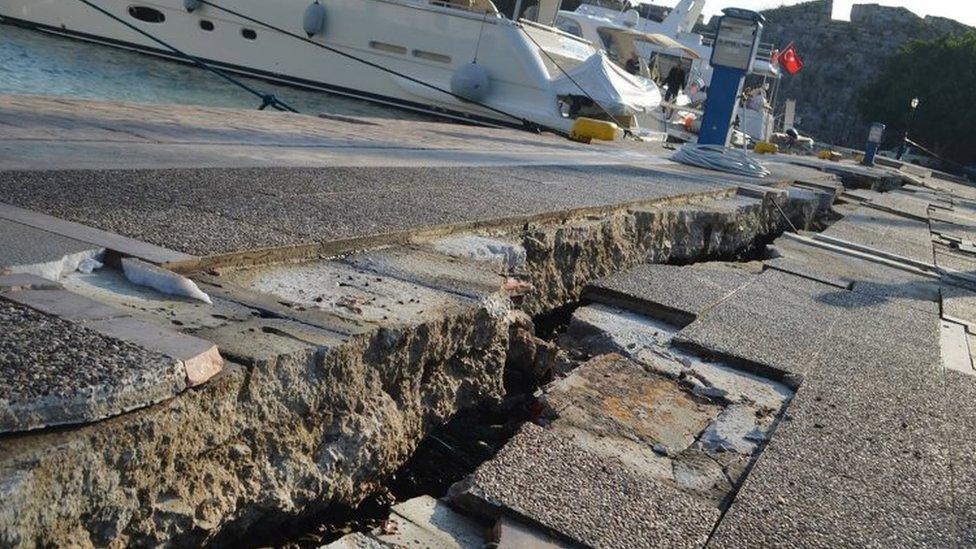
790 60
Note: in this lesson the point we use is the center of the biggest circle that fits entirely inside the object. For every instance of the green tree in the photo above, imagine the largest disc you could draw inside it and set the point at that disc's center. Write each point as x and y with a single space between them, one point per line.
942 74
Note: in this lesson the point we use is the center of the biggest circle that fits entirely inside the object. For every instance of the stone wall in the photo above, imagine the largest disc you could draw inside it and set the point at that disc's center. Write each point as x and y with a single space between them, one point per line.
840 58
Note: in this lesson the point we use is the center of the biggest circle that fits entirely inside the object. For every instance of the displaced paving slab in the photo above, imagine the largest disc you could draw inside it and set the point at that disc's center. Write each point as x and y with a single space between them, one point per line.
959 305
782 320
29 250
548 479
860 275
885 231
57 372
217 211
666 452
670 292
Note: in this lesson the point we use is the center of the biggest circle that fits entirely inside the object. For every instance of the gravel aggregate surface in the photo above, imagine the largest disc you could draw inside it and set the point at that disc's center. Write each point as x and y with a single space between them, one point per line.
52 368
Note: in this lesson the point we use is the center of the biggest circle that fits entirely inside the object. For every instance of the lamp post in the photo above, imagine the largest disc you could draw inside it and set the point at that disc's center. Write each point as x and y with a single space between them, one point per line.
908 128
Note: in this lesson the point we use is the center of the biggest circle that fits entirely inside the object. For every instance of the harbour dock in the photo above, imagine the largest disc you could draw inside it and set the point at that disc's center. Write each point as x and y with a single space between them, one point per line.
220 326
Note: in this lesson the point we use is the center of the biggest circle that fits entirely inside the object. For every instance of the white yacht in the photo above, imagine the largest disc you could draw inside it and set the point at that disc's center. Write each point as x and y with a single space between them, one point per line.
406 53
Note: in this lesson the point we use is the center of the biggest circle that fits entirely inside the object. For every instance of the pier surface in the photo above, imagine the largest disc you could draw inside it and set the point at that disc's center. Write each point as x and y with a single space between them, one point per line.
223 320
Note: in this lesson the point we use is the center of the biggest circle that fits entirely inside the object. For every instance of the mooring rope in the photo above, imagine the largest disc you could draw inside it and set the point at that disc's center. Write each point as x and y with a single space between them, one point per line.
527 124
267 99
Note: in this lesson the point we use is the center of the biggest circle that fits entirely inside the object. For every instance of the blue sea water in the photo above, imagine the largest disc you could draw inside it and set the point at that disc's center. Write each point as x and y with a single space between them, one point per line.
32 62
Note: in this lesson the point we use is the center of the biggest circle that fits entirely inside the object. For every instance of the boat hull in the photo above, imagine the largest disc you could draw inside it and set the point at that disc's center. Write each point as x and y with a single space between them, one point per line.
426 42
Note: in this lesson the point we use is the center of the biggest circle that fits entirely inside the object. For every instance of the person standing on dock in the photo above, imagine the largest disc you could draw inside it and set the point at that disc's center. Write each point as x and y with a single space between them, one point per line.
675 82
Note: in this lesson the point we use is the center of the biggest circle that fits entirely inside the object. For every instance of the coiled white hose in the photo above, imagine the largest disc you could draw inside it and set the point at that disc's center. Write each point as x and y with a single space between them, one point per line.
714 157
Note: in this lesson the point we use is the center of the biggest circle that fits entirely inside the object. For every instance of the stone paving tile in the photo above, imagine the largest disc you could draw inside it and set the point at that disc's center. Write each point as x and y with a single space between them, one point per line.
23 246
212 211
960 436
669 291
860 457
959 304
885 231
595 500
782 320
856 274
57 372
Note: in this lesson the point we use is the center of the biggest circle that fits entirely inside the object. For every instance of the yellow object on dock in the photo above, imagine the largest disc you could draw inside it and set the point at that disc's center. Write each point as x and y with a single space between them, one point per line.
586 129
764 147
830 155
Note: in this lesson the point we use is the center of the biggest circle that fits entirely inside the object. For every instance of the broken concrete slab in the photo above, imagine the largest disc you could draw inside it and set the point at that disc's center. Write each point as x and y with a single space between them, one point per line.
505 257
61 373
110 287
470 278
41 253
547 479
612 397
348 292
599 329
734 430
672 293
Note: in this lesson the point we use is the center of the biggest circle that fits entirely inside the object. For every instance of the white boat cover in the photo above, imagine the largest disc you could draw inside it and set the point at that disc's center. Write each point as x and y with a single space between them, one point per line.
616 90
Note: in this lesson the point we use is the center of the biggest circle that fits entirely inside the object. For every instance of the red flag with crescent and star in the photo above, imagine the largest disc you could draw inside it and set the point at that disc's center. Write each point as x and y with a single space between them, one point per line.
789 59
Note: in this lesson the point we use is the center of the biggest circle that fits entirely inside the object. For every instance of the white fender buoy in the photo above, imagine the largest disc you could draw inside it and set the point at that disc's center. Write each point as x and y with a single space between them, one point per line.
191 5
470 82
314 19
